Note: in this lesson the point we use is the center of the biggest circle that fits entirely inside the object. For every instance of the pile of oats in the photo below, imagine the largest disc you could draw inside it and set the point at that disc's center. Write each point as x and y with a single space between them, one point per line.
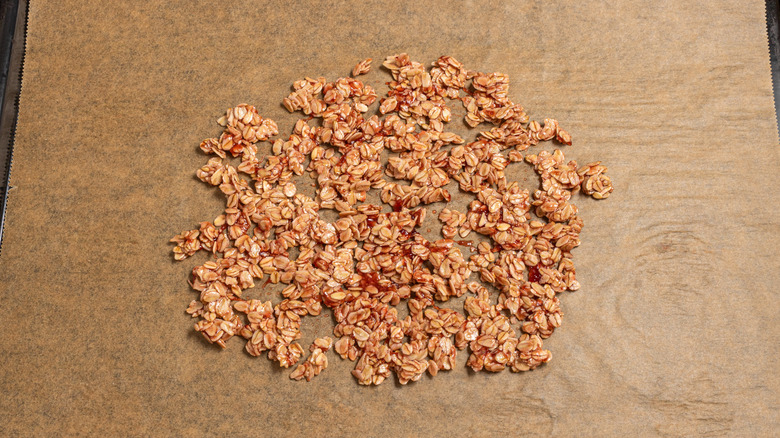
372 260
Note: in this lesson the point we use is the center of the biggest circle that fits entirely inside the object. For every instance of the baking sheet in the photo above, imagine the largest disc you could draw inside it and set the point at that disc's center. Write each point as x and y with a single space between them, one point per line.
675 329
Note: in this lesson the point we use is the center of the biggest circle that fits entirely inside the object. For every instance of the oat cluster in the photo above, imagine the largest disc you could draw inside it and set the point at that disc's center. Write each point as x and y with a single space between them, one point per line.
372 261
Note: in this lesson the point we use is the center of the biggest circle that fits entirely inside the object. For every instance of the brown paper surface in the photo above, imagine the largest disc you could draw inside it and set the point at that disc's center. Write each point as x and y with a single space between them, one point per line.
675 329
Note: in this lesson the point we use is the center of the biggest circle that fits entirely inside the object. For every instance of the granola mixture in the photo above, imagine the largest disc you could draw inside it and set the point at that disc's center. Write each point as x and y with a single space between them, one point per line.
372 261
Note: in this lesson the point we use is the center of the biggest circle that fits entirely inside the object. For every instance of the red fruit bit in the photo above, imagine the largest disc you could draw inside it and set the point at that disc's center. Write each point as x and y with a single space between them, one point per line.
372 279
465 243
533 273
480 208
369 279
407 234
441 249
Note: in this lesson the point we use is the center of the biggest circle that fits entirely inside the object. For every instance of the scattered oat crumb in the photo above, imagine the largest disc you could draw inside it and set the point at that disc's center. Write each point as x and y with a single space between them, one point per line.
362 67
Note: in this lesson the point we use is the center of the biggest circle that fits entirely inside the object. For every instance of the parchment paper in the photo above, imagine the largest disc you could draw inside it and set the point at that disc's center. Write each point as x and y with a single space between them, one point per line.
675 329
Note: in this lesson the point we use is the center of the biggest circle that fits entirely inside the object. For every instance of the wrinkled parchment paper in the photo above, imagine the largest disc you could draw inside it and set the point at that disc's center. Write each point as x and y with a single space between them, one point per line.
675 329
